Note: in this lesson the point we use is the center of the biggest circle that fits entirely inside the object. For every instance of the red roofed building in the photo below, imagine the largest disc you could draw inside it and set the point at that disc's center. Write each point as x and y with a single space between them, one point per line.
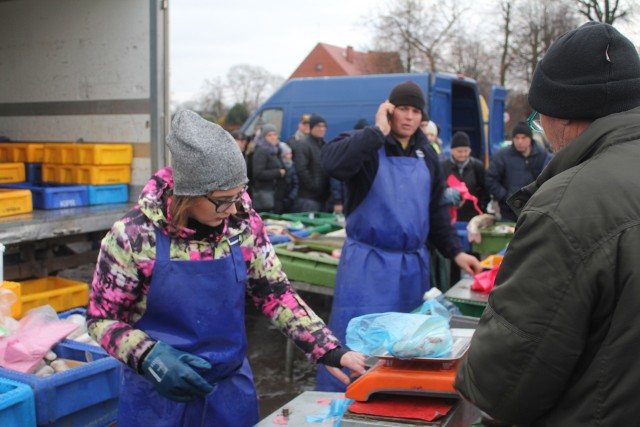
328 60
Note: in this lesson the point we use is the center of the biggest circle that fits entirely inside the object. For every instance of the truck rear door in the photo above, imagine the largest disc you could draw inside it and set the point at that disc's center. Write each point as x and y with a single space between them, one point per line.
497 104
455 106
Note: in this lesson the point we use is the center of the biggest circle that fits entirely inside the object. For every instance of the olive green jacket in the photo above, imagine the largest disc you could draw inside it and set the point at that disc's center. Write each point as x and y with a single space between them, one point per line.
559 342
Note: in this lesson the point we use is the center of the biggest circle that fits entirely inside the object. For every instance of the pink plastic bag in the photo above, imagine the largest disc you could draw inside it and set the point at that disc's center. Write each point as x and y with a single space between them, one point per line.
484 282
38 331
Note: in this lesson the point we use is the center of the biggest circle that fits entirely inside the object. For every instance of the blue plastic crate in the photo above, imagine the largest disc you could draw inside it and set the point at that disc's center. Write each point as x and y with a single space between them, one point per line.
103 194
55 196
17 406
86 395
33 172
77 310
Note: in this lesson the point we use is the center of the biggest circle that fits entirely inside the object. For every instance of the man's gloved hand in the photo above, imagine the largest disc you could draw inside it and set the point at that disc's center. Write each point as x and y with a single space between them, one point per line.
452 196
171 373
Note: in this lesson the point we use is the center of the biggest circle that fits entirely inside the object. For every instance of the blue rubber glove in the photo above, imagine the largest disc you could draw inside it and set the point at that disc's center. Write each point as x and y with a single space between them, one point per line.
452 196
171 373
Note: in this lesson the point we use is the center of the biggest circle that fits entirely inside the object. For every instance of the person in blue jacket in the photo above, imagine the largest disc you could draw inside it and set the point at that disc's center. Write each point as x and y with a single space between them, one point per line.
393 205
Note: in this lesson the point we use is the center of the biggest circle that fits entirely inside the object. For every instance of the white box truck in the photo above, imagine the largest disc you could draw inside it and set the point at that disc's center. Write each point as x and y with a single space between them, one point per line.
80 71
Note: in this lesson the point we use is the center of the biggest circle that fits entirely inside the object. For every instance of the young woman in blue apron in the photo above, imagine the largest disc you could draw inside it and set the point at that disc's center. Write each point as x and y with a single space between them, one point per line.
168 295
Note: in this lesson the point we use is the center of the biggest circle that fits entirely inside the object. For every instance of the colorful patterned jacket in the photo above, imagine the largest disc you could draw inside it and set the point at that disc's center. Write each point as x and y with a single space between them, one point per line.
123 275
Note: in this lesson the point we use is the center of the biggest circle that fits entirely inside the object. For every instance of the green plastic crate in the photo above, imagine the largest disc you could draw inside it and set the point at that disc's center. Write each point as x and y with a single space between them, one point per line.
306 268
312 225
492 240
469 308
317 218
469 302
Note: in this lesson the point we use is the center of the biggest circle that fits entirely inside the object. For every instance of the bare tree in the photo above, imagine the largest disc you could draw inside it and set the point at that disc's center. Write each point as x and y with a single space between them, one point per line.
250 84
536 25
605 11
474 58
506 57
418 30
212 100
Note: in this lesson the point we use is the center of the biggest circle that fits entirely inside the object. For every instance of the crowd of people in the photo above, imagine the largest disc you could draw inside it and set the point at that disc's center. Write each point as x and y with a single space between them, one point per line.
555 345
288 176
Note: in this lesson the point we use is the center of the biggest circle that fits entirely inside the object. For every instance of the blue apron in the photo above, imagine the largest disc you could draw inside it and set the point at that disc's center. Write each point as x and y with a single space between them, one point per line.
385 263
197 307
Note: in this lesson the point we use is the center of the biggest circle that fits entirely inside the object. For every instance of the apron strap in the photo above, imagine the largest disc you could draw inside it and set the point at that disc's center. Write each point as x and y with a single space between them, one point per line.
163 245
236 254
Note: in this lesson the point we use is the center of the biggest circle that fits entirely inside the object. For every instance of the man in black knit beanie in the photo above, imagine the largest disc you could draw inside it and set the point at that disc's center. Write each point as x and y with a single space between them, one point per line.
558 343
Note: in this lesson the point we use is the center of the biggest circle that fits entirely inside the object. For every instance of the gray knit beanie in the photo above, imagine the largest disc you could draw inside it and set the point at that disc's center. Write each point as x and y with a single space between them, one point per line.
204 156
268 128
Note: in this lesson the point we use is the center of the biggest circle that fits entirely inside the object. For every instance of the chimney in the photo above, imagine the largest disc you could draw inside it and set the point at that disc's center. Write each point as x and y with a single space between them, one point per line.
350 54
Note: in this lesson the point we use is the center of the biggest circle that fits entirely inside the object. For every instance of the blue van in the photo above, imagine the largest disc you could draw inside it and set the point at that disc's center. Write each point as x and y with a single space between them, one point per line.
453 102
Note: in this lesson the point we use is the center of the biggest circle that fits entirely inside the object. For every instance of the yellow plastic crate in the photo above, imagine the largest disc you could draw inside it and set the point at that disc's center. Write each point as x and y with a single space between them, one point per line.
102 174
14 202
104 154
64 153
64 174
31 152
12 172
15 288
61 294
5 149
491 261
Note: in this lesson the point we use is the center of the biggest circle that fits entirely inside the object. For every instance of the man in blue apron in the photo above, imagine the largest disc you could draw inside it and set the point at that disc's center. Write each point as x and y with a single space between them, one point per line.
394 204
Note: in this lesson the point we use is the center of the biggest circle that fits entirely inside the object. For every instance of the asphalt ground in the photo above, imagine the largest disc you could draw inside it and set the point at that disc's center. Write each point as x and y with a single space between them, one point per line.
267 355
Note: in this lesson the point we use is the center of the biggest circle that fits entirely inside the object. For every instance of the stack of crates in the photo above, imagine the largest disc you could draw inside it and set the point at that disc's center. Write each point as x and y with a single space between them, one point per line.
105 169
13 169
85 395
43 196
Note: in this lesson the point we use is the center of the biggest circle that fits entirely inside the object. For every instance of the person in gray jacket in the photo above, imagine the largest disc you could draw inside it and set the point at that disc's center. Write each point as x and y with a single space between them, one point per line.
558 343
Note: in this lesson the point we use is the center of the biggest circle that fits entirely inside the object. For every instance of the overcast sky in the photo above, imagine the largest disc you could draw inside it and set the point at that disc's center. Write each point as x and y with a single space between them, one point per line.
209 37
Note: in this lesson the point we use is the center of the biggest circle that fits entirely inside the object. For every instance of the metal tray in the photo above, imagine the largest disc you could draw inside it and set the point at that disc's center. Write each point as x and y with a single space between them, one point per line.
461 342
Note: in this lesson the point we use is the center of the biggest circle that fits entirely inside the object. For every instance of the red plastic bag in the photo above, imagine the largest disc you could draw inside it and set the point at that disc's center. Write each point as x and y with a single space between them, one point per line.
484 282
454 182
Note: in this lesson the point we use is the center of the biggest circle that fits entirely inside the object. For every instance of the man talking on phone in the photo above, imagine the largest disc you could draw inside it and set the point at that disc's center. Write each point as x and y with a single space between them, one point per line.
393 206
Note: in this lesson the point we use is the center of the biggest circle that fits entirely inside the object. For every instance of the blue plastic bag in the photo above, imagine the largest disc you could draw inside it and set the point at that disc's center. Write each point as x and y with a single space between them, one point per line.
403 335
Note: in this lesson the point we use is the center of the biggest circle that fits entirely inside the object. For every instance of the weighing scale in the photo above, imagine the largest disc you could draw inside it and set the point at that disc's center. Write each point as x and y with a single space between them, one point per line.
430 379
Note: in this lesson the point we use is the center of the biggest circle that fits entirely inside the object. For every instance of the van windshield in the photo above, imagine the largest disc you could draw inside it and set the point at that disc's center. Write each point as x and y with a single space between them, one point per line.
272 116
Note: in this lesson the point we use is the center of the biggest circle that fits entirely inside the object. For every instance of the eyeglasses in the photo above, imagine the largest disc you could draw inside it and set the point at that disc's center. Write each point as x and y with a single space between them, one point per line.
223 205
534 122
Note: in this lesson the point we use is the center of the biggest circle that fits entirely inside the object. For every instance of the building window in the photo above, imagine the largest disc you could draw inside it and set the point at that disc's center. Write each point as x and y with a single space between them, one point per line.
318 67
